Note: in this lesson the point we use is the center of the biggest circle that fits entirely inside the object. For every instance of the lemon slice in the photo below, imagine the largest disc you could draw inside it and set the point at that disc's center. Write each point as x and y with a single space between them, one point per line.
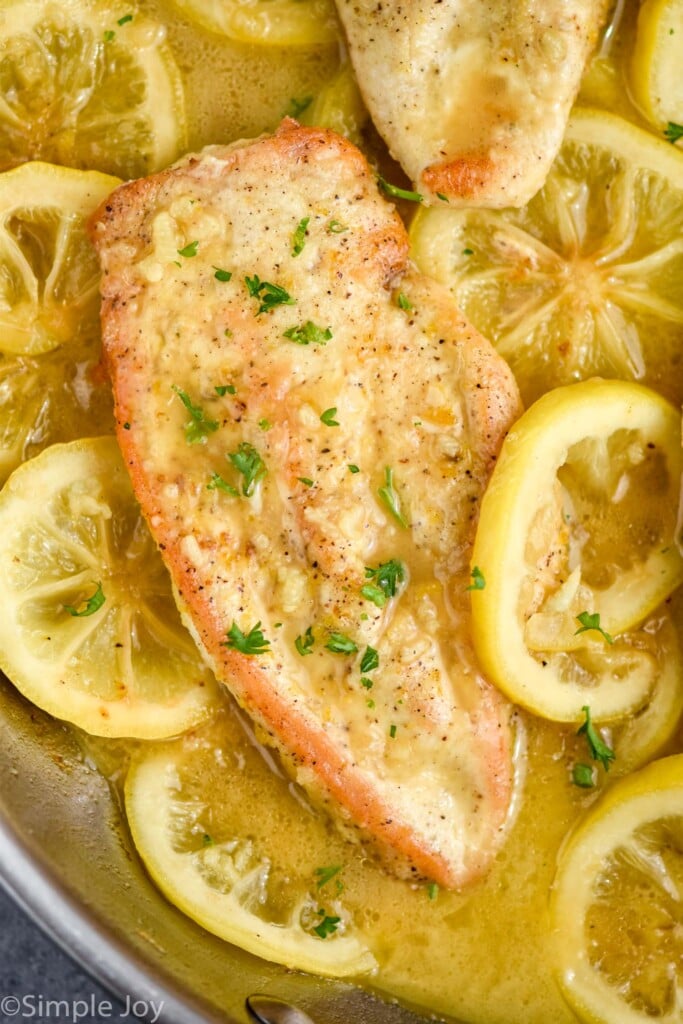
585 280
575 545
643 735
339 106
266 22
656 79
49 274
89 630
205 824
88 84
616 903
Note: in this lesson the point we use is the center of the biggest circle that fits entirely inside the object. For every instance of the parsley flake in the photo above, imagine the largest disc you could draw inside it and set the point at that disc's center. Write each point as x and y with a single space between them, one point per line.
304 644
390 498
404 303
589 622
251 643
442 197
468 252
189 250
265 424
353 468
392 731
308 334
299 239
325 875
305 480
335 227
124 19
370 660
222 275
478 581
673 132
432 890
366 682
582 775
92 604
327 417
387 577
297 106
217 483
249 463
599 750
327 926
372 593
339 643
199 427
398 193
270 295
207 840
225 389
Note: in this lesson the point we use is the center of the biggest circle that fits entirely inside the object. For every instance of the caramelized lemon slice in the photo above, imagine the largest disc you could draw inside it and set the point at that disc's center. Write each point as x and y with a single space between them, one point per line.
656 77
88 83
89 630
575 545
585 280
202 820
266 22
616 903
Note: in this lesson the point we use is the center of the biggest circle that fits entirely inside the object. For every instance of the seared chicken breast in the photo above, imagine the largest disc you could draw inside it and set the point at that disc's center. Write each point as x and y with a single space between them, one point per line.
471 97
309 425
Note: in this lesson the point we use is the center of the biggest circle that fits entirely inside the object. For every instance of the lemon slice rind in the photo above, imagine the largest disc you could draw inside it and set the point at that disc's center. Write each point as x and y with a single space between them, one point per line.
656 61
151 784
276 23
531 456
652 794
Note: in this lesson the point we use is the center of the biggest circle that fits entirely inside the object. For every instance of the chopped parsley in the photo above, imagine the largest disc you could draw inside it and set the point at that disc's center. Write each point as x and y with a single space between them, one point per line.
478 581
222 275
299 239
109 35
325 875
339 643
372 593
199 427
270 295
327 926
189 250
370 660
442 197
304 644
582 775
252 642
124 19
592 621
390 498
673 132
404 303
249 463
207 840
353 468
335 227
392 731
387 576
225 389
217 483
265 424
297 106
366 682
327 417
92 604
398 193
308 334
599 750
432 890
305 480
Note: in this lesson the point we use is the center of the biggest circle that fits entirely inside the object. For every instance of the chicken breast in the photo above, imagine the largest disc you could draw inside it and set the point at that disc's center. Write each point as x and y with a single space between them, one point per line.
309 426
471 97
